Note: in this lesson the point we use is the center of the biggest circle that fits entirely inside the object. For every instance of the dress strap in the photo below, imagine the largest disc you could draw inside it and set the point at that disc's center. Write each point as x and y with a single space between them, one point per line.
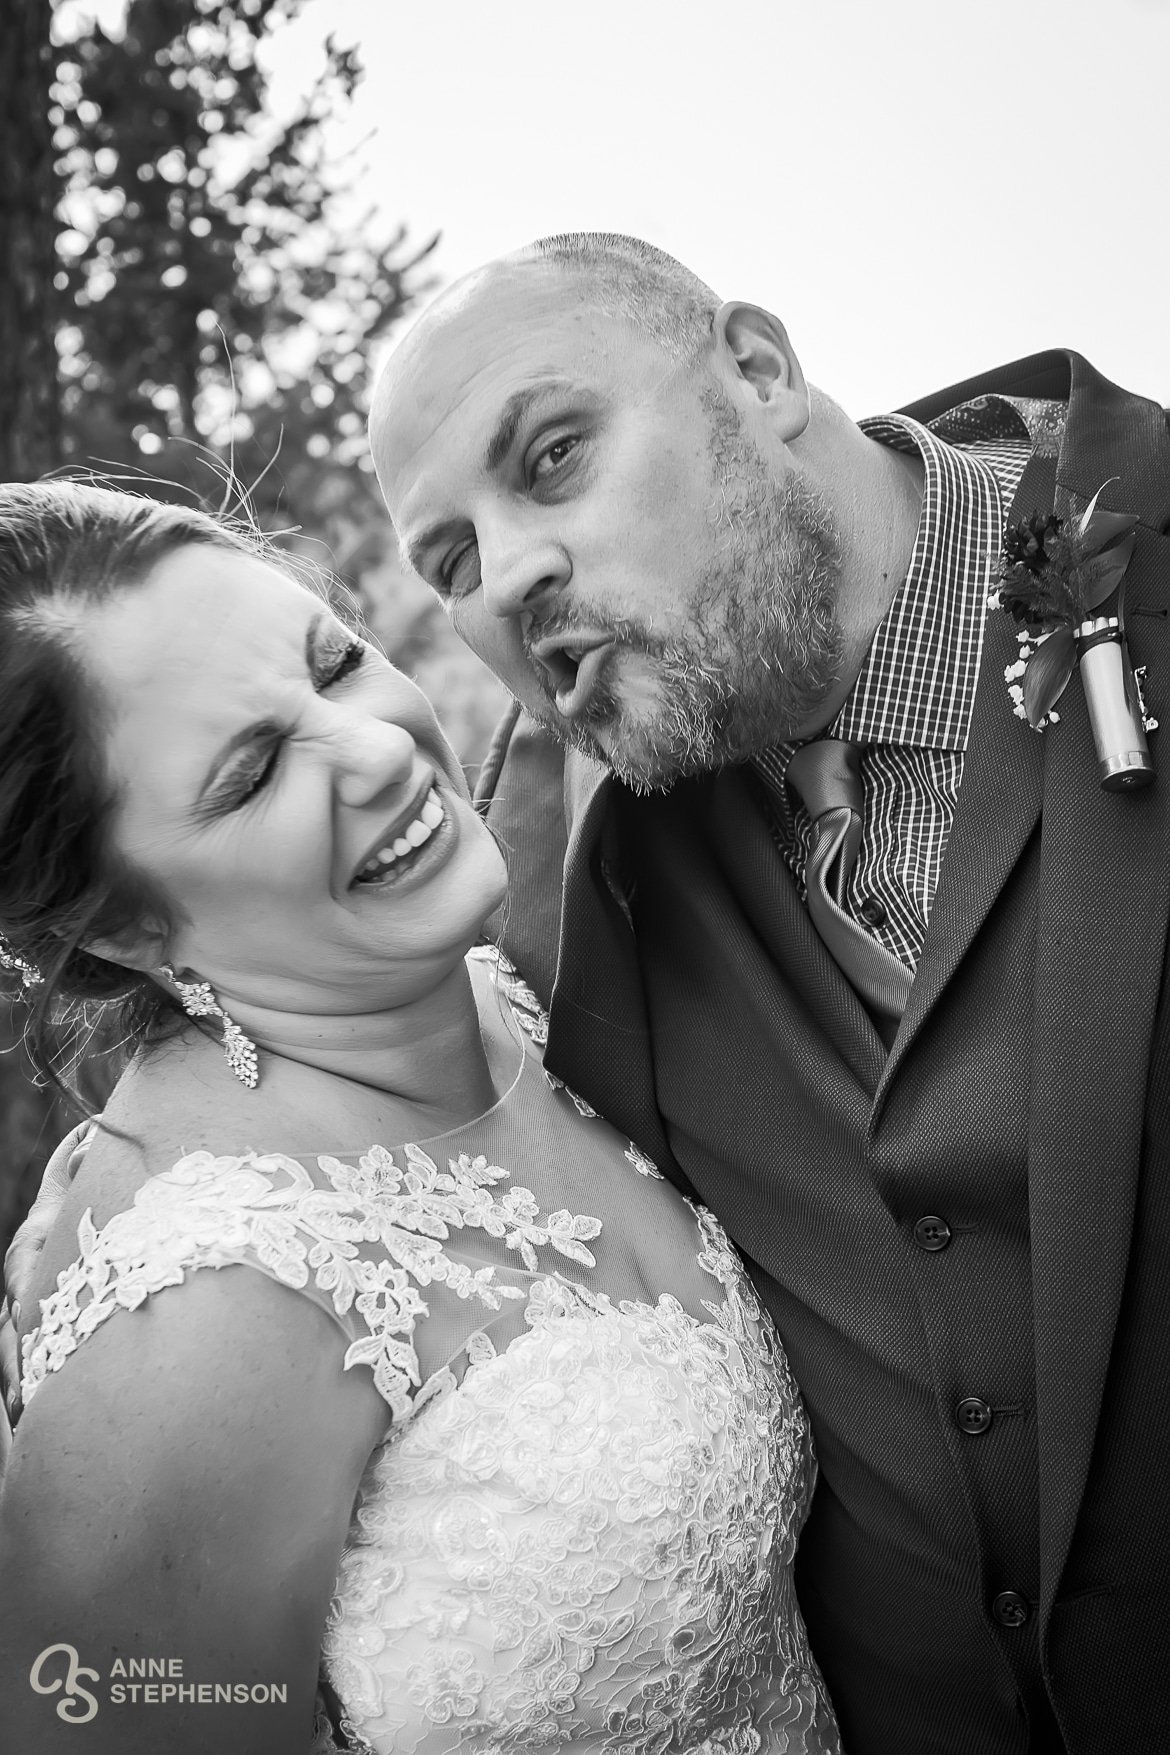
365 1247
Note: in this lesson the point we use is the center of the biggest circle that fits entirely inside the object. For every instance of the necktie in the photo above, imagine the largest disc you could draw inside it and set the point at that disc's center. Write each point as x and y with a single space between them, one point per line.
827 775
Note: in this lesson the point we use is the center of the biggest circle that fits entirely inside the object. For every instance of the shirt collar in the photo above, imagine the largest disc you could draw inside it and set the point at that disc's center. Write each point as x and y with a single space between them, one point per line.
917 685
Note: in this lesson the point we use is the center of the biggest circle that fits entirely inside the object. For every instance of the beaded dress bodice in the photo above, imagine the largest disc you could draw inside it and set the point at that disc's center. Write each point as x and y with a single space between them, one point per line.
579 1528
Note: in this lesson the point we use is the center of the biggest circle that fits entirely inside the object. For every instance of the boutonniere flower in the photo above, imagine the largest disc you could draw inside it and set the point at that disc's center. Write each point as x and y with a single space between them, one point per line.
1063 581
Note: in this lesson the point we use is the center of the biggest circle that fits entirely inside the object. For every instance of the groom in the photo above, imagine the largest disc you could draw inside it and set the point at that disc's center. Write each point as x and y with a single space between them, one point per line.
871 966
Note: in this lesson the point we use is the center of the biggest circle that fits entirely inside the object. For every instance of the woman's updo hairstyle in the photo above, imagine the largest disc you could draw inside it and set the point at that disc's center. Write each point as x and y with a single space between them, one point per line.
67 547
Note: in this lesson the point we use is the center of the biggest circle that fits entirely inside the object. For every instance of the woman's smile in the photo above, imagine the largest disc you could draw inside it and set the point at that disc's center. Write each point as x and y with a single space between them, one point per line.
302 871
414 846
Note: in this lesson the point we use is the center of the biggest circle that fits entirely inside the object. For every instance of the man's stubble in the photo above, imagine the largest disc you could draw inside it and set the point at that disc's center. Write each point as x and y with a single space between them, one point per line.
761 648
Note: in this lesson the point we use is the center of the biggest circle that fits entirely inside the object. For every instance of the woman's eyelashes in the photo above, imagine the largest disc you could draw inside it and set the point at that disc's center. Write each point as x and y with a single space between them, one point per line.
353 655
248 780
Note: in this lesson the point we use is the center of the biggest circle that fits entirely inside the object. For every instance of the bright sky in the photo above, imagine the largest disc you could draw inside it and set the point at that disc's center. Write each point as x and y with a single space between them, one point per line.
920 188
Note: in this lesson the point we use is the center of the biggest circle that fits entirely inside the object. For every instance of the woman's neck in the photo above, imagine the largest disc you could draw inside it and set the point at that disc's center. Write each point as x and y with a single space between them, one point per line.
434 1063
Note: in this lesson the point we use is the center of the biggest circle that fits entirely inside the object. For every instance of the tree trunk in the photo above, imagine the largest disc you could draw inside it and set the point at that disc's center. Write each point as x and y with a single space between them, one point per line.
31 1121
30 424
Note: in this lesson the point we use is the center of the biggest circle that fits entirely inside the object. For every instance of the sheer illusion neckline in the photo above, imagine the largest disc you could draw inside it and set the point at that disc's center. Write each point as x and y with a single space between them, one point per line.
501 975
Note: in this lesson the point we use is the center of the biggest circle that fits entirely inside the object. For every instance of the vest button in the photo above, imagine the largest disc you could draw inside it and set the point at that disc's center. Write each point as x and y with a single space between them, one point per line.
931 1232
973 1415
1010 1608
873 912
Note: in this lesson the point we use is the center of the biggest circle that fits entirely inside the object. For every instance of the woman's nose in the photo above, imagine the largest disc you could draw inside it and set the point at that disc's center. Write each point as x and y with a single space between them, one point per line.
370 755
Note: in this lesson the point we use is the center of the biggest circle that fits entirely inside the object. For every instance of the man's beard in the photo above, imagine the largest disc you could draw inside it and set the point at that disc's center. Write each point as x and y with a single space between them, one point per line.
760 651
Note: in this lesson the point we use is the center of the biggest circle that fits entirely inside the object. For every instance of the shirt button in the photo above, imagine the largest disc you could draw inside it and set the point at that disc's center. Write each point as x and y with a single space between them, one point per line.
931 1232
1010 1608
873 912
973 1415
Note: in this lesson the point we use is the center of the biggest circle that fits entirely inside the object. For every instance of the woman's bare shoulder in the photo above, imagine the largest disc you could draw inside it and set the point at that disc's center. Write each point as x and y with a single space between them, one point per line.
167 1104
181 1098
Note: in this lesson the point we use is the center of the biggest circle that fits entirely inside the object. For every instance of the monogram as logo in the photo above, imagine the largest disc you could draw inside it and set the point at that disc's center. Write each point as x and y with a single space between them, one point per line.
69 1706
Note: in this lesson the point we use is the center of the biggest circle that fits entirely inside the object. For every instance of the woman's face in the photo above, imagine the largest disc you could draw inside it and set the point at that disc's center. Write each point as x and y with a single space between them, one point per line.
289 791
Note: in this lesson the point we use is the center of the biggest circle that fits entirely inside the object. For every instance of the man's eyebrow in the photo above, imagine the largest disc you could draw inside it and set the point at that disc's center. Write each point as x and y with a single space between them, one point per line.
503 436
262 728
512 417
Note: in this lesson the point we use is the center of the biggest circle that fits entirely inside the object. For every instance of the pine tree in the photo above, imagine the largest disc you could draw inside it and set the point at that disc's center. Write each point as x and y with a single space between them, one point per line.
30 425
224 295
211 297
30 439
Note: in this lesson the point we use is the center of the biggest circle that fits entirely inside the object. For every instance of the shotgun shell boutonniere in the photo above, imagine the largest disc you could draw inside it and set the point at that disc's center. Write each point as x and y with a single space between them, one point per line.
1064 583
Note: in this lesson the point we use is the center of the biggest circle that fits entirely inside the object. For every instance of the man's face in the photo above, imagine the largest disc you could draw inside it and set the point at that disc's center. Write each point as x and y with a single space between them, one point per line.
605 530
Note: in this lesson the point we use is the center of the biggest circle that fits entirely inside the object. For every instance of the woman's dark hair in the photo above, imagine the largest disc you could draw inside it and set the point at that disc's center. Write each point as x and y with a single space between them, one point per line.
67 547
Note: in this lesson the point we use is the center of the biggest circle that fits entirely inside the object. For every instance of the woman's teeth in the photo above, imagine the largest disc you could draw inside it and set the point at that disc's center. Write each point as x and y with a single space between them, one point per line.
415 835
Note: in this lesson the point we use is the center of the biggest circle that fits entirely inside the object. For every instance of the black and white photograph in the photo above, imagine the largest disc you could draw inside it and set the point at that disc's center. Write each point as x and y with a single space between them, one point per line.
584 626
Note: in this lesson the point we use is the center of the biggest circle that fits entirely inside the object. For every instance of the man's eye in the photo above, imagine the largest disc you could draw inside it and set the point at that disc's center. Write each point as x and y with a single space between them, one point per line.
460 571
553 457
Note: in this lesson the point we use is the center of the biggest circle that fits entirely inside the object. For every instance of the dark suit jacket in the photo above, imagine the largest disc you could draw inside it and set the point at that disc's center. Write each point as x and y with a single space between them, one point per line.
1026 1099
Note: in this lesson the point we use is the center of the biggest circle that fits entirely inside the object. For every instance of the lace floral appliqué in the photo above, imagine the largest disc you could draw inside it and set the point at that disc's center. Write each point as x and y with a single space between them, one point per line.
592 1541
588 1540
209 1211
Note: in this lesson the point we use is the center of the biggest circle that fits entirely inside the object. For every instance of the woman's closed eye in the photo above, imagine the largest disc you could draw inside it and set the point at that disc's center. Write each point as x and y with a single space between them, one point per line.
254 774
349 661
248 780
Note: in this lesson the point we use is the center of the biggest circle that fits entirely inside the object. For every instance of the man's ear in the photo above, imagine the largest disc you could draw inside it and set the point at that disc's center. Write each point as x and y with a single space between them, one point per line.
755 348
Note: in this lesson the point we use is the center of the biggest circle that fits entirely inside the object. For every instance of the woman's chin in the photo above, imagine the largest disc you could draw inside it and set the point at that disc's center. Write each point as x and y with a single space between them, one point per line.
453 886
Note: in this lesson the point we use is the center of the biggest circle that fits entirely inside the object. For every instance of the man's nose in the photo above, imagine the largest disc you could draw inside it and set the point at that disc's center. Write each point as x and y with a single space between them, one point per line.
520 572
370 755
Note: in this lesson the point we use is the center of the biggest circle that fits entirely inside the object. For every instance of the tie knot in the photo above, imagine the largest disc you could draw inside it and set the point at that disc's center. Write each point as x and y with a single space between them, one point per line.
827 775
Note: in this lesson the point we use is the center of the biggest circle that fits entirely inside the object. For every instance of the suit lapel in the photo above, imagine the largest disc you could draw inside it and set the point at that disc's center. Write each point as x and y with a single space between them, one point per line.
1101 928
521 774
999 806
716 831
598 1031
1003 773
751 869
1105 896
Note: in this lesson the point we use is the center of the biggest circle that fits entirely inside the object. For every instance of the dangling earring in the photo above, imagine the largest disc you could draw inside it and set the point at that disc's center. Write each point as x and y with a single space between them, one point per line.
198 1001
10 958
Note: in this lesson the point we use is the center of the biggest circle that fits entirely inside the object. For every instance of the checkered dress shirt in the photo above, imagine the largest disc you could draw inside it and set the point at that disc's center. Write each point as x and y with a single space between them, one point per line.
910 709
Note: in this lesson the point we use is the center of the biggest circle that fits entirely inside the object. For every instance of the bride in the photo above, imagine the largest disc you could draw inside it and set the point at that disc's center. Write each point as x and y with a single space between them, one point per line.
477 1439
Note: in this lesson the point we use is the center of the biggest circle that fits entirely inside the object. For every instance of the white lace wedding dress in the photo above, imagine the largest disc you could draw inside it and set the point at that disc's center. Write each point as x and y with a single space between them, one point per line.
580 1526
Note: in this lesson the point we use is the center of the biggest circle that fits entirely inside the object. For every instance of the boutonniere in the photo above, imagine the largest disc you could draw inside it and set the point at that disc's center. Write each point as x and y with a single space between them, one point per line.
1063 581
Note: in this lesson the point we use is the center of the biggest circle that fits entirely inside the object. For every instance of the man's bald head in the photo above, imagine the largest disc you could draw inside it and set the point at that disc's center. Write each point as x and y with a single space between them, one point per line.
592 461
636 283
619 278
